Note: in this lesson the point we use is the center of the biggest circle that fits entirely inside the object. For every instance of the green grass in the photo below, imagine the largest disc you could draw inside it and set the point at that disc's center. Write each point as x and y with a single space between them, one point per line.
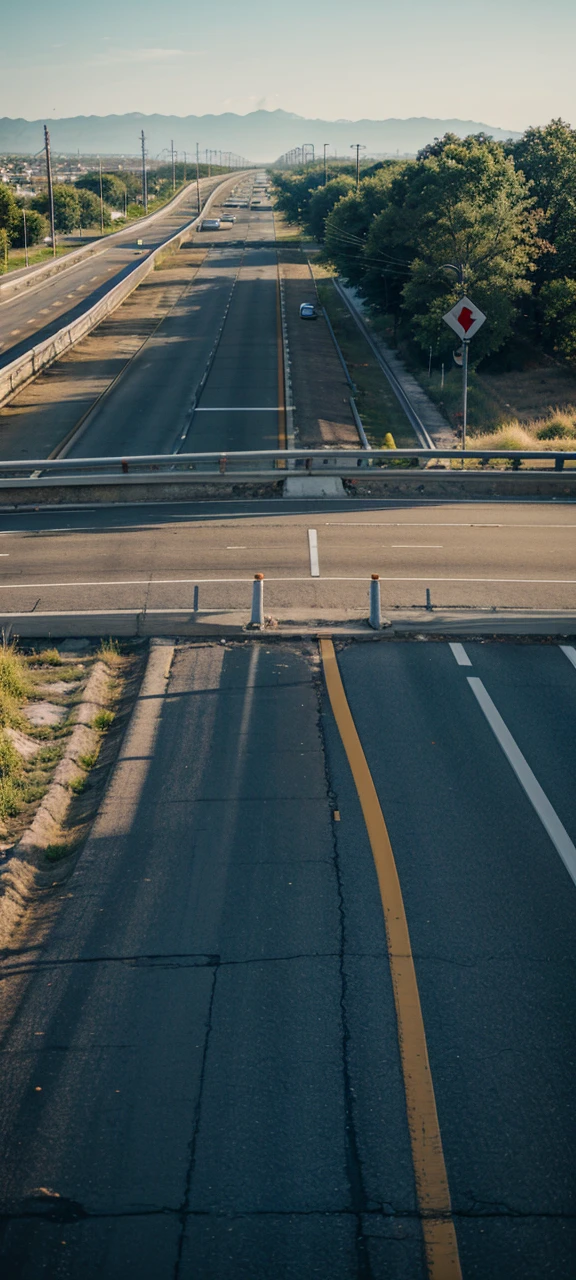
56 852
49 657
37 254
88 761
377 405
103 720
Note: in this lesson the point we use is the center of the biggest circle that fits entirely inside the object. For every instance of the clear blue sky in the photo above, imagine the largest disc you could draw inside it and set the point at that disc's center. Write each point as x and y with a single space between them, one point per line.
505 62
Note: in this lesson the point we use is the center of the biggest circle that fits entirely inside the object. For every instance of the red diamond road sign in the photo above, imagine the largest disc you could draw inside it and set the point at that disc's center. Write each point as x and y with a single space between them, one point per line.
465 319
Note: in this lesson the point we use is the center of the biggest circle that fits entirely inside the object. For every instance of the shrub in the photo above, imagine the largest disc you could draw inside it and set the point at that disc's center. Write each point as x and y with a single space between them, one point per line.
10 798
50 656
13 679
10 762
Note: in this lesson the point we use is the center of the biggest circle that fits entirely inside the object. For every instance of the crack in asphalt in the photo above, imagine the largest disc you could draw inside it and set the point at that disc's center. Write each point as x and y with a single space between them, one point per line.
184 1210
353 1159
63 1211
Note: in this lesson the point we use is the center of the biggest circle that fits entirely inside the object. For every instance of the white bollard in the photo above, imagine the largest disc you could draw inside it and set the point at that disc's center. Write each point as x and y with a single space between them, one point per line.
257 618
375 618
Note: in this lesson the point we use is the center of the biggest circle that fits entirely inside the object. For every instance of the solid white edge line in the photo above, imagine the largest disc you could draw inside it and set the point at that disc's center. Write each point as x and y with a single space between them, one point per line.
570 652
313 548
460 654
537 797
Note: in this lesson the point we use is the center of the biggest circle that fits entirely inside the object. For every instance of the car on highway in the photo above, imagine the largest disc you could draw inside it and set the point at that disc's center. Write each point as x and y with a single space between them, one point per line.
307 311
210 224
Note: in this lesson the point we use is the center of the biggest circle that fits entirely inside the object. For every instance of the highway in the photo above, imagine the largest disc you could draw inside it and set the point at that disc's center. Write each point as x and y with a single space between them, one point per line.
217 1060
36 313
469 555
204 369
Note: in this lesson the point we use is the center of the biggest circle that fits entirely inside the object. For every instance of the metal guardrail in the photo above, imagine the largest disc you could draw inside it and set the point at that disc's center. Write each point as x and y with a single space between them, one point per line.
415 421
279 462
14 376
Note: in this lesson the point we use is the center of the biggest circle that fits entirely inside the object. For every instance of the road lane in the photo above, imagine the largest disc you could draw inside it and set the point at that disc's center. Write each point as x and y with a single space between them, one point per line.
490 567
206 940
491 911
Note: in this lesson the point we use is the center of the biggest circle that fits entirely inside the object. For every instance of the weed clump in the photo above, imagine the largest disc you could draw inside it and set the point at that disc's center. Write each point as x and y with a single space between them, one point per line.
103 720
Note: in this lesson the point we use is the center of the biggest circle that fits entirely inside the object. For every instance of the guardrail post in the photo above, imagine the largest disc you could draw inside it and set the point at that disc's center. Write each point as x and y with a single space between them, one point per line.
257 616
558 464
375 609
222 464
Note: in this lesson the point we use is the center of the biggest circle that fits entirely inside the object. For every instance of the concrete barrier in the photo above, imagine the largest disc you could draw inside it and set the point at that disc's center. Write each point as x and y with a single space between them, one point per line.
15 375
187 486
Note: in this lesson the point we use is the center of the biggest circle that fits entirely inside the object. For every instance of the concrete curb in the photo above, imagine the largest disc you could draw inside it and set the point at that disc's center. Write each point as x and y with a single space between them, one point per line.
20 877
185 624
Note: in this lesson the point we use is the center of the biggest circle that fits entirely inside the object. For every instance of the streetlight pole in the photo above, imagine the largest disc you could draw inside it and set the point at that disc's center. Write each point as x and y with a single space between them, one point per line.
326 145
50 189
358 147
25 237
173 167
465 346
198 176
459 272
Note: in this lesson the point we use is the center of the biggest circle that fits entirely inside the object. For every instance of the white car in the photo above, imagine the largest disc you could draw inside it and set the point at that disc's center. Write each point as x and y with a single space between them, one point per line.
307 311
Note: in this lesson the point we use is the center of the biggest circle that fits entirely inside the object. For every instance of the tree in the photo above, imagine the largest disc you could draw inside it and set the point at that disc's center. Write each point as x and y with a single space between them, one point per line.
36 228
348 227
113 188
9 212
89 206
558 304
547 158
322 203
66 207
466 206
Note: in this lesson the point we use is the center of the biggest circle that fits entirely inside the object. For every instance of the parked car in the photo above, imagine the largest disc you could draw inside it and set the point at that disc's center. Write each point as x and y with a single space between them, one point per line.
307 311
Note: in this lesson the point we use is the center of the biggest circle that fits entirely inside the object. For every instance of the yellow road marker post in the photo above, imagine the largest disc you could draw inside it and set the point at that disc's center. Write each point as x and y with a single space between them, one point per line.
430 1175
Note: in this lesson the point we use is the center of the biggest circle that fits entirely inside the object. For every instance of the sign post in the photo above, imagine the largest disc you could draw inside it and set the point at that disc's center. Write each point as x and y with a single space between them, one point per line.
465 319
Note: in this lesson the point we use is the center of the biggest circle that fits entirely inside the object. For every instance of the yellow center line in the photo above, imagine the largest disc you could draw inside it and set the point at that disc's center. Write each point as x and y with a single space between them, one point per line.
282 438
432 1190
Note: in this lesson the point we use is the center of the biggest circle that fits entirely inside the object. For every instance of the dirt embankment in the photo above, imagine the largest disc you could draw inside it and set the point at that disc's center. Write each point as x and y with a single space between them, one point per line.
321 395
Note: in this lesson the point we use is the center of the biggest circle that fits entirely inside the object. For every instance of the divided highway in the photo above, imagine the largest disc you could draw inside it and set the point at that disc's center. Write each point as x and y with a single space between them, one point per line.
202 1071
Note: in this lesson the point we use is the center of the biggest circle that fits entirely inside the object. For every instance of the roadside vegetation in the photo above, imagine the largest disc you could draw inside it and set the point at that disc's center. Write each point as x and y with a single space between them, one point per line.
495 221
39 691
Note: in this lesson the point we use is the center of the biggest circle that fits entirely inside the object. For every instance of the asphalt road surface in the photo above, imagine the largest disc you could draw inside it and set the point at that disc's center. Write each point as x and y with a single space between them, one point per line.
40 311
201 1065
491 555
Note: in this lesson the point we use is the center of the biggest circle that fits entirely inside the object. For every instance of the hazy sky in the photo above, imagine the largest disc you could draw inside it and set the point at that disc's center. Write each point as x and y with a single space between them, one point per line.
504 62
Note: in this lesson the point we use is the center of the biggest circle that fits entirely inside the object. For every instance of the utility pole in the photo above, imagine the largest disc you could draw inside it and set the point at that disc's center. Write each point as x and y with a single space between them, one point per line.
359 146
25 237
144 179
101 198
173 168
50 189
185 154
326 145
198 177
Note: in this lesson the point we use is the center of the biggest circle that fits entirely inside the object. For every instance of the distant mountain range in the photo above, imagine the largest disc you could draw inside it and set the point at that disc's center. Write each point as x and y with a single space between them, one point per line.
260 135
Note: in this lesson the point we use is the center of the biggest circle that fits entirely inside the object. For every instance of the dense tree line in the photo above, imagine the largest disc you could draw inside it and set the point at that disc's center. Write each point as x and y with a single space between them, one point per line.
467 215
